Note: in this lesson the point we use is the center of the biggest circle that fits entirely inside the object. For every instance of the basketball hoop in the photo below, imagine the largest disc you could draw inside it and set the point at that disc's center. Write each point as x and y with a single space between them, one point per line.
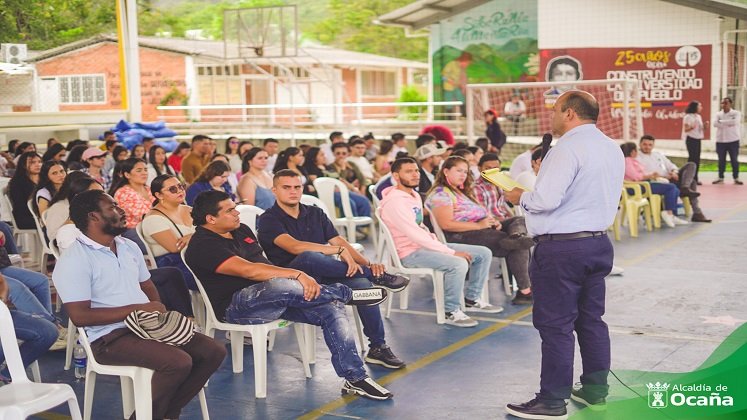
256 32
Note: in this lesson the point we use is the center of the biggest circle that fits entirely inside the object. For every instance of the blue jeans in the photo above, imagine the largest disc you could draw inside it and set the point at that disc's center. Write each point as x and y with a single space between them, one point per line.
10 243
29 291
327 270
455 270
37 334
175 260
358 203
283 298
670 193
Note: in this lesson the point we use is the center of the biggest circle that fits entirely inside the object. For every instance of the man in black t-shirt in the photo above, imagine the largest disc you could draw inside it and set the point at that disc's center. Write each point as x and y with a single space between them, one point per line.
245 288
302 237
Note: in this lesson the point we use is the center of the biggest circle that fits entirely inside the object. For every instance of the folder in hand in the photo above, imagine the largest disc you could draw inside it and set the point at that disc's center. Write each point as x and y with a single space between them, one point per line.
502 180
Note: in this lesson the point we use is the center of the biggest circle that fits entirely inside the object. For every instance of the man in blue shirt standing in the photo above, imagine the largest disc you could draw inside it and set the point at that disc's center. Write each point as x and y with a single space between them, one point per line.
568 213
302 237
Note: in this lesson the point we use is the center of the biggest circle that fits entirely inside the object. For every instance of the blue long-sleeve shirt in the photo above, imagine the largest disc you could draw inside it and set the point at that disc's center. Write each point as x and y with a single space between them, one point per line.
195 189
579 184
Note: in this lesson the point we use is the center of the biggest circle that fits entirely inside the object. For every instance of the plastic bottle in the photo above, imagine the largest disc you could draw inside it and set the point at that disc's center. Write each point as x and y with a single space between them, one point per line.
79 361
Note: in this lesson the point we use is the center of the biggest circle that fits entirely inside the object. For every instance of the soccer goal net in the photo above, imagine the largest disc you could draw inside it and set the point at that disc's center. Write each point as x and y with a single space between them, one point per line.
525 109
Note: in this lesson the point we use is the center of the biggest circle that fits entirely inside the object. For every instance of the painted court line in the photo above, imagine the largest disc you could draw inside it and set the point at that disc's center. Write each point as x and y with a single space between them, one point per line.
419 364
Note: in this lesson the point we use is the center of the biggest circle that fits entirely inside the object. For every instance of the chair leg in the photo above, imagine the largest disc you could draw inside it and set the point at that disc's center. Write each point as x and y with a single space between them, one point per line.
72 405
647 216
438 286
404 297
237 349
35 372
350 230
203 405
260 361
309 340
128 396
485 294
300 330
271 340
506 277
632 218
144 395
388 311
88 394
359 329
71 334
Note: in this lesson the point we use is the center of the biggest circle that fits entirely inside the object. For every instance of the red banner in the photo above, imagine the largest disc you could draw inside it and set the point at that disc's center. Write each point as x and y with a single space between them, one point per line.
669 78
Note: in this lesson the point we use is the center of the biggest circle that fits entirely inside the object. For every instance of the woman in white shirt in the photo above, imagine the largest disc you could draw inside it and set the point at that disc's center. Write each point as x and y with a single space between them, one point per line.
167 228
60 228
157 164
693 132
51 177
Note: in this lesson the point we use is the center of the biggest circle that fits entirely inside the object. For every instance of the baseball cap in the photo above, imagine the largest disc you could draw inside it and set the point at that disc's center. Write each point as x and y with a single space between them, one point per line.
427 150
92 152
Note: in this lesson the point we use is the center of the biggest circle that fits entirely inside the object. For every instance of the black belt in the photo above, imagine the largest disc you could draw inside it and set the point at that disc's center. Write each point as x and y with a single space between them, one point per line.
568 236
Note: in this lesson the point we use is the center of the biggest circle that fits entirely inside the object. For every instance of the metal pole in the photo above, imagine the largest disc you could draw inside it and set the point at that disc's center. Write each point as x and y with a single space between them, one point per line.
133 62
626 111
470 116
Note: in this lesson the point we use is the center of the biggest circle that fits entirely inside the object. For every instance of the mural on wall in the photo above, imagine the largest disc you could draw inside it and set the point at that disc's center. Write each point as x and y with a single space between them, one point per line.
492 43
669 78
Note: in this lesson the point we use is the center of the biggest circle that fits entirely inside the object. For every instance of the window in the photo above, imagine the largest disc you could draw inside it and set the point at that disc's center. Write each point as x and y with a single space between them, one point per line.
85 89
378 83
220 85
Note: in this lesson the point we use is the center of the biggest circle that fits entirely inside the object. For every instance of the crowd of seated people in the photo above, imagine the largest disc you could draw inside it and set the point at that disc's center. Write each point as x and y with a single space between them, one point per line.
90 200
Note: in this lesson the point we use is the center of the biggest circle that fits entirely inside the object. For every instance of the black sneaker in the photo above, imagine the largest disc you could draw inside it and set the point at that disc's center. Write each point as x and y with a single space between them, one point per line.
366 388
718 181
538 409
368 297
383 356
391 282
583 397
738 182
522 299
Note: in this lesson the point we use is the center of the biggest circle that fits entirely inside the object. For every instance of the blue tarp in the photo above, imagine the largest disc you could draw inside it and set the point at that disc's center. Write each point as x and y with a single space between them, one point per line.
132 134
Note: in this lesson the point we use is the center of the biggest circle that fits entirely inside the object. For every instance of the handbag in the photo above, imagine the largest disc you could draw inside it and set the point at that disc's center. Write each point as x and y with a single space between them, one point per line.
171 327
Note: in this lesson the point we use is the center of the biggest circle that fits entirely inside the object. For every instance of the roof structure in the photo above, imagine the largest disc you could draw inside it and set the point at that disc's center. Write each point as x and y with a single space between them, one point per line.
421 13
212 49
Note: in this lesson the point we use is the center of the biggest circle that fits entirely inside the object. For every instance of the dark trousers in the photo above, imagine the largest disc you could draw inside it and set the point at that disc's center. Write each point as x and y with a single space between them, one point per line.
172 290
327 270
180 372
693 153
732 148
569 290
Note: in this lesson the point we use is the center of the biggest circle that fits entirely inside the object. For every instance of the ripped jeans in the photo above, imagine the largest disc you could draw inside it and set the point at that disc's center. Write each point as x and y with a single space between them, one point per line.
283 298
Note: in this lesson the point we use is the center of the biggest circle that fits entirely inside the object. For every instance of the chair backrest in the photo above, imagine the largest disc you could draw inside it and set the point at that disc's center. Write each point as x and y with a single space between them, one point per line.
248 215
374 197
38 223
9 205
210 313
326 188
52 247
389 247
10 347
310 200
5 209
436 228
150 258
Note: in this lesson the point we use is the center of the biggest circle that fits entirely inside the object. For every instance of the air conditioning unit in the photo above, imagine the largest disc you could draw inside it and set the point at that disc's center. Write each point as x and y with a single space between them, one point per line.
13 53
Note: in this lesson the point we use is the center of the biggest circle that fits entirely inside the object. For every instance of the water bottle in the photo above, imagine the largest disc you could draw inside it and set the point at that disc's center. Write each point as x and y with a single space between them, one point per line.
79 361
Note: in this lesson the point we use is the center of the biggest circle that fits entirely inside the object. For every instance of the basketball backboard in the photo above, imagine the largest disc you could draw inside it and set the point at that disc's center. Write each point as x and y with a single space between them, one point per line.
260 32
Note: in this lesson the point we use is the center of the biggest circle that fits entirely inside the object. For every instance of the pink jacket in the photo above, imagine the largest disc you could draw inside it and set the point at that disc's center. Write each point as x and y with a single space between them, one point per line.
403 215
634 170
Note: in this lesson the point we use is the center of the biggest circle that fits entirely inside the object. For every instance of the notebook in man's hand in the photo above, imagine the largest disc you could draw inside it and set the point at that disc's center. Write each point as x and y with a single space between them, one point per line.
502 180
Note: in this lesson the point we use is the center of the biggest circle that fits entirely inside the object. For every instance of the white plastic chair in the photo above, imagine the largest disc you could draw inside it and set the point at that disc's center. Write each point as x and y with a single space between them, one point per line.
198 306
391 259
310 200
248 215
30 236
46 252
137 394
23 398
259 333
507 281
326 187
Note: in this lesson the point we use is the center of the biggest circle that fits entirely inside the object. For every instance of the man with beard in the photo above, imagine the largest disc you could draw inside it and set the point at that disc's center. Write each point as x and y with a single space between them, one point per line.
110 283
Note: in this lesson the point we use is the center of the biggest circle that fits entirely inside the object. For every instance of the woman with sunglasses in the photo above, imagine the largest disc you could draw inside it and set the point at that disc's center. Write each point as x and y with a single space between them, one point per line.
232 153
214 177
168 227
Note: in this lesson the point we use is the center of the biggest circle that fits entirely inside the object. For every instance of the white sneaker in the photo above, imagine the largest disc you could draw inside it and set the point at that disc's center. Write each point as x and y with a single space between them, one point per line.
460 319
485 307
667 218
616 271
680 221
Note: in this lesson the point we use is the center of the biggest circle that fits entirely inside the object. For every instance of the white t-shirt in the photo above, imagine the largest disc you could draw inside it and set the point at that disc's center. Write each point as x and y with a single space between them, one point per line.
512 108
156 223
522 163
527 179
729 126
693 120
364 165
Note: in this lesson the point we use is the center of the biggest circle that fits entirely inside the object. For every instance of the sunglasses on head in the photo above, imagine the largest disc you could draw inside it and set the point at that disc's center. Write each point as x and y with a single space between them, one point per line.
176 188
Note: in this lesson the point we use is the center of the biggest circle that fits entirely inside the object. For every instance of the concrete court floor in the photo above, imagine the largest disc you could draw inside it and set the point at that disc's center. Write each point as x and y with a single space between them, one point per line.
682 293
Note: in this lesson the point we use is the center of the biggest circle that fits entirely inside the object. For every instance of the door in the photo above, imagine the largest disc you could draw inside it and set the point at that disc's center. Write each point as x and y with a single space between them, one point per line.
49 95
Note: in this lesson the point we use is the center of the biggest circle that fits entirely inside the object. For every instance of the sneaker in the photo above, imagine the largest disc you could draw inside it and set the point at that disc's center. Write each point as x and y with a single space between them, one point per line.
383 356
700 217
366 388
680 221
616 271
391 282
594 403
667 218
59 344
538 409
718 181
460 319
738 182
480 306
522 299
368 297
687 192
698 183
